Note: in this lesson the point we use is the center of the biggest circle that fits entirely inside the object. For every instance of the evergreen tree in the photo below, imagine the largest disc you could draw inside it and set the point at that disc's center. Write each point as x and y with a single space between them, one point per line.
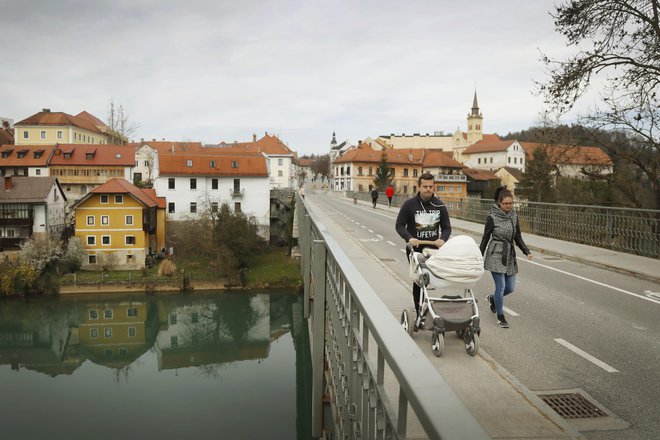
384 174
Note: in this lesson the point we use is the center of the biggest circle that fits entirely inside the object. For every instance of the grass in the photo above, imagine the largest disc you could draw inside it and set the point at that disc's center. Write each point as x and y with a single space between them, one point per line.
274 268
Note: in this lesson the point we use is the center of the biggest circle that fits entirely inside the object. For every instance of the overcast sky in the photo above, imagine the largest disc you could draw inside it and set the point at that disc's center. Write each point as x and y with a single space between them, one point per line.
219 70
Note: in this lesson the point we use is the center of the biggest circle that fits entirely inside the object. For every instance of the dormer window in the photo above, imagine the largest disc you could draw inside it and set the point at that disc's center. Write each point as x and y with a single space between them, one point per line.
189 162
212 164
118 156
234 164
38 154
89 156
21 153
6 153
67 155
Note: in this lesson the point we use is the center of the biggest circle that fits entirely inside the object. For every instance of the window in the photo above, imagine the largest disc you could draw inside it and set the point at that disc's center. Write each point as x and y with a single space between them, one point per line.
405 172
491 160
26 134
237 207
280 161
130 240
214 206
279 173
93 314
170 183
170 207
93 333
479 160
515 160
105 240
91 259
371 173
107 332
131 312
107 314
132 332
212 164
174 342
405 189
193 207
237 185
214 183
129 219
105 220
441 188
59 134
415 172
119 198
90 220
37 172
234 164
91 240
359 171
509 160
189 162
130 259
193 183
105 198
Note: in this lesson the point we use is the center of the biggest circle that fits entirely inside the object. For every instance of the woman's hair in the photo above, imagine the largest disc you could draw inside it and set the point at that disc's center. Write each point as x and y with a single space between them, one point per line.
501 193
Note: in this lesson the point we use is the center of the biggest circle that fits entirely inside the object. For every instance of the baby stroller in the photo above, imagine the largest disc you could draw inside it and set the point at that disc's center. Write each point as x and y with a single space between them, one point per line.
458 264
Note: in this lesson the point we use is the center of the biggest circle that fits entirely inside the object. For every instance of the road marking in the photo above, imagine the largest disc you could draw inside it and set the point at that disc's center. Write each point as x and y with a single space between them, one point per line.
657 301
370 231
587 356
510 312
363 226
654 295
393 244
379 236
403 250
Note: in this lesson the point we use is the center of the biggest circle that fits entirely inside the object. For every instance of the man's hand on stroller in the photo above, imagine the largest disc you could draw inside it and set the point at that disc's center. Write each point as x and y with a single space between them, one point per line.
439 242
413 242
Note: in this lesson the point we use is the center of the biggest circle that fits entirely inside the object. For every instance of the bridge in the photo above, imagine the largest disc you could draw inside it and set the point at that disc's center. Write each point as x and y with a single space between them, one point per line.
372 381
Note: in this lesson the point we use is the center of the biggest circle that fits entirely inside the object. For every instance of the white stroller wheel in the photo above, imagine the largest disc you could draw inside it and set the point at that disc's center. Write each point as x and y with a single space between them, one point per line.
408 321
472 346
437 343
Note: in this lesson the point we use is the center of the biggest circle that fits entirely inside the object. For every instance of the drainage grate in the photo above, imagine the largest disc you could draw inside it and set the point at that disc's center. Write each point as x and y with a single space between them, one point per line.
572 406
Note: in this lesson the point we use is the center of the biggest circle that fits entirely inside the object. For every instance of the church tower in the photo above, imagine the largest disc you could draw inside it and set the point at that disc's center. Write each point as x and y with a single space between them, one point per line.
475 131
333 142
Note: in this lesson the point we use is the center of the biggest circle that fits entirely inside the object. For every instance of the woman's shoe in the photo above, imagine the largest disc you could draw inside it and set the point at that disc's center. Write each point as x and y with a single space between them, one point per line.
501 321
491 301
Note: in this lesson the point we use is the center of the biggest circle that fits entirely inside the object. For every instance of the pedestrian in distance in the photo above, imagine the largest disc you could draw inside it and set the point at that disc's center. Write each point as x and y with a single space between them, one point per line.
501 232
355 197
389 192
374 196
423 217
302 191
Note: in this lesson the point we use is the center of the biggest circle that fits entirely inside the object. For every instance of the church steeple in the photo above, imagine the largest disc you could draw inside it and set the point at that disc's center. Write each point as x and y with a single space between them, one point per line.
475 118
333 142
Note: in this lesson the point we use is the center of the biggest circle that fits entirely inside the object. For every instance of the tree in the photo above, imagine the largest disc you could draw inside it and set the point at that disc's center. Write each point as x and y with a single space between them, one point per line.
384 174
74 255
321 165
616 41
539 180
120 129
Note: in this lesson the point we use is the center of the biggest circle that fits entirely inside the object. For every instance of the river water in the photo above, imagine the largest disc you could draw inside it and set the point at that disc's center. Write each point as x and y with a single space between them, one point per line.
225 365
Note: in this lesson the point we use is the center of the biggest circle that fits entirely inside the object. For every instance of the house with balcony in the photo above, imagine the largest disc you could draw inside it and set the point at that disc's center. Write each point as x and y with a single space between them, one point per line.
25 160
119 224
29 205
493 153
481 183
47 127
197 184
80 168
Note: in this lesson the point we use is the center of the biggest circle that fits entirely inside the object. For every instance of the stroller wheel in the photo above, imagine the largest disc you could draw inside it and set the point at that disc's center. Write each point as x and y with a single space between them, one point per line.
407 321
437 343
472 345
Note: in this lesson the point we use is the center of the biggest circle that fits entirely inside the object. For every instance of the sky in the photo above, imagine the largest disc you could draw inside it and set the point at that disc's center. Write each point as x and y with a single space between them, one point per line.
219 70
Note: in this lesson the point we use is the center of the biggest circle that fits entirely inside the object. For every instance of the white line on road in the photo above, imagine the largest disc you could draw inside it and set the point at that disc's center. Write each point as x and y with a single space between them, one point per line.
363 227
587 356
370 231
393 244
593 281
403 250
380 236
510 312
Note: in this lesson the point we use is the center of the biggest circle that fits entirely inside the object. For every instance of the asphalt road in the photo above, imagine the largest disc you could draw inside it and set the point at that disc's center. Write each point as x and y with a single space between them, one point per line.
573 326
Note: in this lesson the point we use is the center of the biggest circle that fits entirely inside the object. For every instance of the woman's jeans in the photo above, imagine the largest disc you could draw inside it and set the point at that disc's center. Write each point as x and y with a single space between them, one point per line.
504 284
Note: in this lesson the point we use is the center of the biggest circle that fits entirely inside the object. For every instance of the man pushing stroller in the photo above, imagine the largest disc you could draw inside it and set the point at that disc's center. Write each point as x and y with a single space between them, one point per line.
423 217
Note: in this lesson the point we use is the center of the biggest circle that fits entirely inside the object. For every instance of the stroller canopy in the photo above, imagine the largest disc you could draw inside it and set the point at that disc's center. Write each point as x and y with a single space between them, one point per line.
459 260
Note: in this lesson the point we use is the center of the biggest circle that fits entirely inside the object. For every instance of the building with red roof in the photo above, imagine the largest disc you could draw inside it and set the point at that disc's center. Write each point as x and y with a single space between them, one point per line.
47 127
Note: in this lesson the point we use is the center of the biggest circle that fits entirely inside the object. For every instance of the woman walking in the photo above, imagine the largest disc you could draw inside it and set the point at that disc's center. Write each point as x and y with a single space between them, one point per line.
502 230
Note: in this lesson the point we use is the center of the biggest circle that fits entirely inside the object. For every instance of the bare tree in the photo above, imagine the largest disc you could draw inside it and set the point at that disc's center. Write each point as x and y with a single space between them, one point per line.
120 128
618 42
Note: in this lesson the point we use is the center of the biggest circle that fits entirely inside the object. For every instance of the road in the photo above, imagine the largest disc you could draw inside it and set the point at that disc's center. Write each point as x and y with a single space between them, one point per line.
573 326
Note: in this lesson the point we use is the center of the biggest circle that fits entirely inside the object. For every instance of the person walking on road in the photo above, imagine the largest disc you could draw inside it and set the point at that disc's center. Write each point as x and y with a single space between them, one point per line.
423 217
501 231
374 196
389 192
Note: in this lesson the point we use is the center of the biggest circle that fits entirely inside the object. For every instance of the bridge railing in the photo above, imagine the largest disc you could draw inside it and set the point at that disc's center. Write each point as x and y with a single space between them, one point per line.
633 231
369 370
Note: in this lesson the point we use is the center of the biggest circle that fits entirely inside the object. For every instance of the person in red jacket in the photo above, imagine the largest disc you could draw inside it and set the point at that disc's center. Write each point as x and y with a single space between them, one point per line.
389 192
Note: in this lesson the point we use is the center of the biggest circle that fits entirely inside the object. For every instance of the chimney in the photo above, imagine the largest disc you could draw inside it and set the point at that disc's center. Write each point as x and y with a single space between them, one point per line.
5 124
9 185
45 110
254 137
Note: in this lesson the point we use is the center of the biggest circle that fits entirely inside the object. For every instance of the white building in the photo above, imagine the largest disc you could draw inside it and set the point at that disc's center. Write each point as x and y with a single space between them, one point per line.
492 155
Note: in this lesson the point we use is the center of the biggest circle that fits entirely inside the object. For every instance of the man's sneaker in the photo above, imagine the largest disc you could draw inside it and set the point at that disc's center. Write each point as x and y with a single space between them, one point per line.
501 321
491 301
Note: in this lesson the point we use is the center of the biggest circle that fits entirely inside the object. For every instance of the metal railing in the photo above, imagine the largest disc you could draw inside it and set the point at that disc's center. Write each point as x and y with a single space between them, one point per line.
357 343
633 231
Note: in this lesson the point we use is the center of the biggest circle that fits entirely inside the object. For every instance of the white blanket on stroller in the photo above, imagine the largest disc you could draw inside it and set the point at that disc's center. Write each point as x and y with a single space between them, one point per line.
458 260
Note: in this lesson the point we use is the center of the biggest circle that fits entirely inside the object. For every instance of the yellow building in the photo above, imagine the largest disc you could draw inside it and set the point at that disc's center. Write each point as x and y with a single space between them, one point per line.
118 224
48 127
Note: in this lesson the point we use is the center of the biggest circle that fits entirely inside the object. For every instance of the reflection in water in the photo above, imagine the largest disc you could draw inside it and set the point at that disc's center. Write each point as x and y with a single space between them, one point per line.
163 352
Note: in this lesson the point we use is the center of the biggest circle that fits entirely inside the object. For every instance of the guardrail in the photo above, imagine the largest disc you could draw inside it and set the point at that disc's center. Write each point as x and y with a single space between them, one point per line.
633 231
356 343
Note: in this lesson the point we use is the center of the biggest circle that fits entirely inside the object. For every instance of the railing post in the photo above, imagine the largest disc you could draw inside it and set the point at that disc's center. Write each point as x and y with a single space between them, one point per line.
318 335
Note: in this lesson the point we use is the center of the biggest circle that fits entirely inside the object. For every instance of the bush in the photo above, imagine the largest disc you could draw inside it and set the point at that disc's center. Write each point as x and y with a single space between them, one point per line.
74 255
18 280
167 268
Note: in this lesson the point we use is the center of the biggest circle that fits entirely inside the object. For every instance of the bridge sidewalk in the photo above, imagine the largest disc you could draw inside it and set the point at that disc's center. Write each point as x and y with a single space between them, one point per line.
500 403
